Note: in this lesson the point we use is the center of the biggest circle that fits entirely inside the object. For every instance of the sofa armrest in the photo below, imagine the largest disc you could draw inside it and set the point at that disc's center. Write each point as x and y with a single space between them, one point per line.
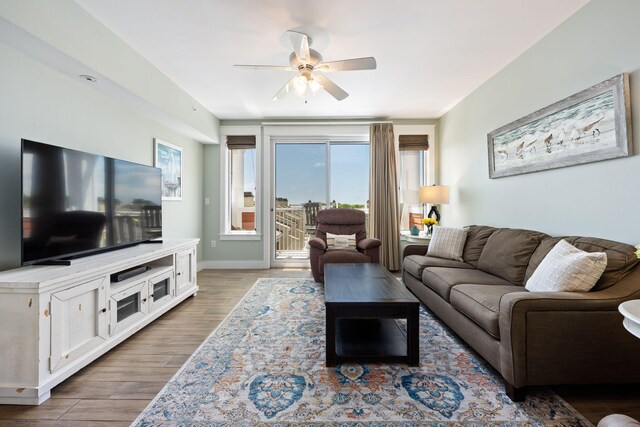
414 250
518 303
558 328
318 243
368 243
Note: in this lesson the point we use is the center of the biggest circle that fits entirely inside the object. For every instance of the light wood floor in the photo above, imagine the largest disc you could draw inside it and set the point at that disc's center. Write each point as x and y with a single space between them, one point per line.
114 389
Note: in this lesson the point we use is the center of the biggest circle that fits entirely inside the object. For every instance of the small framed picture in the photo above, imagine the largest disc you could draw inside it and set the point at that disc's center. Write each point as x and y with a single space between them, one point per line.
168 158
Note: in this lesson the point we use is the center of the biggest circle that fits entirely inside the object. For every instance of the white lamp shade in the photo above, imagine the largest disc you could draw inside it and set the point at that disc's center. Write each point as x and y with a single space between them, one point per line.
434 194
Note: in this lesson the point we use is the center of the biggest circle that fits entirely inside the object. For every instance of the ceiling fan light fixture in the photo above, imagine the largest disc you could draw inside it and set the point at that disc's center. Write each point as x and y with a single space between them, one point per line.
305 61
299 85
314 85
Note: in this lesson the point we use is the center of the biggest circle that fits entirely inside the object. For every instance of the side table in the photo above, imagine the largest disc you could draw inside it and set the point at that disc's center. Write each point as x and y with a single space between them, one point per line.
631 322
407 237
631 312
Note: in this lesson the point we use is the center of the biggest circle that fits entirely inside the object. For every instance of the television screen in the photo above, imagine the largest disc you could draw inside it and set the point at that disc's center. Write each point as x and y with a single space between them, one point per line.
76 203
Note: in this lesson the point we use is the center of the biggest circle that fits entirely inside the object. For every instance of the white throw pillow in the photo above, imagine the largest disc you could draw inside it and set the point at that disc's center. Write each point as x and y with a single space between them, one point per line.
567 268
447 242
341 240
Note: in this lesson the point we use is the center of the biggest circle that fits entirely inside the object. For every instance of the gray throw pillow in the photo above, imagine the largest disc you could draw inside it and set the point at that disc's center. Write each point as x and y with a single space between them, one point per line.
447 242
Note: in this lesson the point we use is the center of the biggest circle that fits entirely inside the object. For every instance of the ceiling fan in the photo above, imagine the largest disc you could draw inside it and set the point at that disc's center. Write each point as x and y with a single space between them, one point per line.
306 62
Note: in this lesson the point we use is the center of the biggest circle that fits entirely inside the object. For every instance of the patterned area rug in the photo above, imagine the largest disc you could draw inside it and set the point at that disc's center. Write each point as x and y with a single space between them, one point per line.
264 365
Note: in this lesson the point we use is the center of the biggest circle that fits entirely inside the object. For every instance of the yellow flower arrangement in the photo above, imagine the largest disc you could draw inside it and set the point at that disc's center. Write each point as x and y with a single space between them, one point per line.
638 251
432 221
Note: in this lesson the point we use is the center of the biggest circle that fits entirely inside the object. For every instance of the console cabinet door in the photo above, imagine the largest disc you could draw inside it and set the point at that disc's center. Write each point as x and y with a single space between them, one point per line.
161 289
185 270
128 306
78 321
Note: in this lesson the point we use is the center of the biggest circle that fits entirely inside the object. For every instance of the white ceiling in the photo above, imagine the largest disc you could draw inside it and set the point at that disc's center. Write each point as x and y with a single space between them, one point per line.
430 53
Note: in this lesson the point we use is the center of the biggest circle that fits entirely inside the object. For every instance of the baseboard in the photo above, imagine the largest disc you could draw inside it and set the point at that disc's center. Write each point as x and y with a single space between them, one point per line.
234 265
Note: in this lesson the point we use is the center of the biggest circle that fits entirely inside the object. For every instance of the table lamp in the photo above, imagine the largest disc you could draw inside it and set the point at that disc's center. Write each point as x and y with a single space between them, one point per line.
434 195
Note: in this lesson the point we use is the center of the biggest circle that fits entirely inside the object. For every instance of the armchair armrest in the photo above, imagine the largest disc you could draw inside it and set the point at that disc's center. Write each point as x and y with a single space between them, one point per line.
316 242
369 243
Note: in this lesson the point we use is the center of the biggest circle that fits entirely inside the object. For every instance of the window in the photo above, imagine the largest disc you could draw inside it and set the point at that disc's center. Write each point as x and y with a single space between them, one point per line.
241 195
412 171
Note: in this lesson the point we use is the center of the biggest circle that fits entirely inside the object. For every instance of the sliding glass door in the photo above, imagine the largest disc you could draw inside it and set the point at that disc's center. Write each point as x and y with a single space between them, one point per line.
308 177
300 190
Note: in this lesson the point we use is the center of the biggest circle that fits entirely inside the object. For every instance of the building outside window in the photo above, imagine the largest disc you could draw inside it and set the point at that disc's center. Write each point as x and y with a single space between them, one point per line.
243 189
241 186
412 175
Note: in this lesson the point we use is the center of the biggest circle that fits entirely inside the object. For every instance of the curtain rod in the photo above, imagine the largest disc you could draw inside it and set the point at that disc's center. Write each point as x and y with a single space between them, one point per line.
322 123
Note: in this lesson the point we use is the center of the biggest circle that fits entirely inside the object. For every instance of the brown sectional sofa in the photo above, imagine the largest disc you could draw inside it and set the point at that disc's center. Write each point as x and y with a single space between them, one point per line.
532 338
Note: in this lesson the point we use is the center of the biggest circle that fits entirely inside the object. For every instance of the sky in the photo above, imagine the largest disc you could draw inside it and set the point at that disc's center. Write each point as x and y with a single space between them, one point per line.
301 172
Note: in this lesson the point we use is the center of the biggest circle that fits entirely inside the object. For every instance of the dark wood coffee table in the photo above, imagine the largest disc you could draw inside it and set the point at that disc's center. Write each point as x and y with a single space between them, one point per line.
362 302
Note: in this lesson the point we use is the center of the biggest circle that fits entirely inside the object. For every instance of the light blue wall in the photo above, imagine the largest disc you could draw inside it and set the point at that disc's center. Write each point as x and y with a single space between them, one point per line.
42 103
598 199
65 29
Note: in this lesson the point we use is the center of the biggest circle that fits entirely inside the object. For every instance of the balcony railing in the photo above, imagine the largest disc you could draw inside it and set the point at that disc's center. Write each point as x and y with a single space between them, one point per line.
290 229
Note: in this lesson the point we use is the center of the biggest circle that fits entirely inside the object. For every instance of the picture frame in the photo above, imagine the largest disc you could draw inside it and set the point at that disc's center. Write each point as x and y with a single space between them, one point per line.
590 126
168 158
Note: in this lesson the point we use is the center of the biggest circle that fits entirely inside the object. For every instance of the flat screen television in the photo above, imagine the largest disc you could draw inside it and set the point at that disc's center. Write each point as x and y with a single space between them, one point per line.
76 203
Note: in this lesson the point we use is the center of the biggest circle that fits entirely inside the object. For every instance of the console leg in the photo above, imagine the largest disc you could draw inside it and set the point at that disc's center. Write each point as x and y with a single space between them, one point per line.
514 393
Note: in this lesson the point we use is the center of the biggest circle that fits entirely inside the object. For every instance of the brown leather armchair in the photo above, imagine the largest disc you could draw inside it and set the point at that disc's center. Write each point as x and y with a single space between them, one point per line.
341 221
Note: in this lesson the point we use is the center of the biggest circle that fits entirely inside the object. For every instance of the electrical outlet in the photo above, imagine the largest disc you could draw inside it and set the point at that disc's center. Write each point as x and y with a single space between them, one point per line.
213 243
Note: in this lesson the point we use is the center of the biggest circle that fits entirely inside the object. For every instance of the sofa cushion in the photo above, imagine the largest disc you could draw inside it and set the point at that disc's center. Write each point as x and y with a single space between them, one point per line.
481 303
567 269
477 236
442 279
621 257
507 253
415 264
447 242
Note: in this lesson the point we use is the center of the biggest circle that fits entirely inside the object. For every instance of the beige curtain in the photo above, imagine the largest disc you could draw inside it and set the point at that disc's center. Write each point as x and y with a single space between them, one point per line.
383 194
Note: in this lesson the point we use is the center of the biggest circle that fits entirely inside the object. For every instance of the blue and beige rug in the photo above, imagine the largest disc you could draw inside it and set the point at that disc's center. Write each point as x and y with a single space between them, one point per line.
265 365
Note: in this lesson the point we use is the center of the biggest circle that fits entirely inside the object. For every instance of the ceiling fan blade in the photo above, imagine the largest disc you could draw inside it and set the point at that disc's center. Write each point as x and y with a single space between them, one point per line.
368 63
265 67
333 89
300 44
285 90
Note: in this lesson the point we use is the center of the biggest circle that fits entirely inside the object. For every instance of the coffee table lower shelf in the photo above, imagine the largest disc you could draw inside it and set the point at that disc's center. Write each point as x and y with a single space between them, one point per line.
370 341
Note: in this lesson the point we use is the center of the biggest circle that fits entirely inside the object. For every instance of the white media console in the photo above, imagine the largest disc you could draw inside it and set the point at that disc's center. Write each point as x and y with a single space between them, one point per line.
55 320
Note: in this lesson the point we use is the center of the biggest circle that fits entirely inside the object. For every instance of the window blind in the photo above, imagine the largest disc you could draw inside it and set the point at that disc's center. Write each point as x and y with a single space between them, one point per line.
241 142
414 142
